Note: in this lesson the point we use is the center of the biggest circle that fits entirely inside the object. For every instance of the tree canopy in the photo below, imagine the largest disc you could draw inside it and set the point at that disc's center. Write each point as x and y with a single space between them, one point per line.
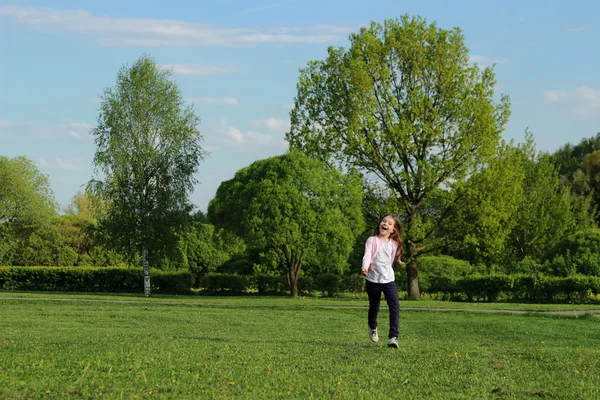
296 206
148 150
404 105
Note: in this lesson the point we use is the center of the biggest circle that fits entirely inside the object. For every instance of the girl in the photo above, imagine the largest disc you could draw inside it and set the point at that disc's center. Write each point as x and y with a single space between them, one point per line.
381 250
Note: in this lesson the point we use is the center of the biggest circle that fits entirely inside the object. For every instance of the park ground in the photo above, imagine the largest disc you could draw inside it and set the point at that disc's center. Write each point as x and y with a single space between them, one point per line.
57 345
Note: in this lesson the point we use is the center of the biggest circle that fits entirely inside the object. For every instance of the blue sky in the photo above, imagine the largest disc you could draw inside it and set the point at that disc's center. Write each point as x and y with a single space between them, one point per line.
237 62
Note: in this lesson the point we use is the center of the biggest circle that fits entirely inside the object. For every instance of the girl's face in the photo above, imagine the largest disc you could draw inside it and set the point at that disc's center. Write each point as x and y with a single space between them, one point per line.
386 226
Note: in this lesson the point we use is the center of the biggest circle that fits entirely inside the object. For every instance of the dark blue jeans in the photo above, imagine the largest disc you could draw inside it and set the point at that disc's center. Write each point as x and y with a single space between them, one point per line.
390 291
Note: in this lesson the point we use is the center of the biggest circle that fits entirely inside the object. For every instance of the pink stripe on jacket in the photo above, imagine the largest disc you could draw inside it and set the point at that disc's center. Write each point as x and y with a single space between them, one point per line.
371 248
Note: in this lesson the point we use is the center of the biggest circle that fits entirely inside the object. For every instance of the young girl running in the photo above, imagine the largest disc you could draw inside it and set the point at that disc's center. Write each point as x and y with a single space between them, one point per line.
381 250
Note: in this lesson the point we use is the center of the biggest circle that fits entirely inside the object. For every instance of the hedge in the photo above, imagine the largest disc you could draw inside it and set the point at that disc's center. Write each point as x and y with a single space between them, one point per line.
474 287
93 279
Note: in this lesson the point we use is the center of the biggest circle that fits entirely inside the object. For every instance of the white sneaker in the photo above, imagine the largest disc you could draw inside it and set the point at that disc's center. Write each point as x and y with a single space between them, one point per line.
393 342
373 335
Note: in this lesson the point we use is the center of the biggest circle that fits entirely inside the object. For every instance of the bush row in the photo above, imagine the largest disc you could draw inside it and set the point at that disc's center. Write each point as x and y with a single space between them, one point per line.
474 287
516 287
328 284
93 279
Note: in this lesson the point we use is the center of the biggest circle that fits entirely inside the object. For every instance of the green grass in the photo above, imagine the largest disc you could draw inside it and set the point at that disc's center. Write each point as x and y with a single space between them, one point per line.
285 302
194 347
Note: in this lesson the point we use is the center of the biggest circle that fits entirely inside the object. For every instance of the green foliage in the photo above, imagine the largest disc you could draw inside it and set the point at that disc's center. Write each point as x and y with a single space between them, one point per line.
403 105
91 279
26 200
148 150
485 215
438 274
208 248
26 206
579 168
295 206
329 284
233 283
544 215
578 253
568 157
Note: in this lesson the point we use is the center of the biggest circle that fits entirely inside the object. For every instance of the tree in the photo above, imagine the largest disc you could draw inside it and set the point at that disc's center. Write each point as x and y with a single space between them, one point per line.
148 149
26 200
544 216
295 205
26 204
208 247
483 220
575 164
404 106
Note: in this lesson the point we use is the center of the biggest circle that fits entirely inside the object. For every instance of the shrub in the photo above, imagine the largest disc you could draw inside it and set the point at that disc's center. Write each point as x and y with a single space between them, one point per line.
92 279
214 282
577 254
329 284
440 273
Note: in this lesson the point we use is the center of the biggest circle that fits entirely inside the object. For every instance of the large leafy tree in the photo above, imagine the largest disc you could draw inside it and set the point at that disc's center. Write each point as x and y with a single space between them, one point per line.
296 206
27 204
404 105
148 150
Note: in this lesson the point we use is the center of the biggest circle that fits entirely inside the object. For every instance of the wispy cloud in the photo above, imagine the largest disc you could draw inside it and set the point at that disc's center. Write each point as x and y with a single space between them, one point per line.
28 131
584 101
6 123
198 69
74 164
263 8
228 101
272 124
576 29
75 129
115 31
478 59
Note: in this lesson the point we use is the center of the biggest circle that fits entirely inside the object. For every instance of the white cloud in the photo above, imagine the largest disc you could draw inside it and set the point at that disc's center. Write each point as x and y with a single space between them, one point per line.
198 69
74 164
584 101
272 124
4 123
76 129
576 29
114 31
234 136
43 162
486 60
228 101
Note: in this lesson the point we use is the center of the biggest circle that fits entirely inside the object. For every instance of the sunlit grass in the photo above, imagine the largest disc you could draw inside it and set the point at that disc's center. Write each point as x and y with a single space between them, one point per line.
204 347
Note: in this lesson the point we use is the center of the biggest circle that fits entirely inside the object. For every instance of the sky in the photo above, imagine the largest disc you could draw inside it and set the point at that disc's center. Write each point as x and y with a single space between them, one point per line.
238 61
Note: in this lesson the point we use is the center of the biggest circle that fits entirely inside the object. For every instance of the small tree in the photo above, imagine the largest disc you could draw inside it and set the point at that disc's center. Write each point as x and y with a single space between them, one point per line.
148 149
296 206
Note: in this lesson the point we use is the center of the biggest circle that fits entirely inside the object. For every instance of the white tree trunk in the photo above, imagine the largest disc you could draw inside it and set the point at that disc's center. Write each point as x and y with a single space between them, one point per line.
146 271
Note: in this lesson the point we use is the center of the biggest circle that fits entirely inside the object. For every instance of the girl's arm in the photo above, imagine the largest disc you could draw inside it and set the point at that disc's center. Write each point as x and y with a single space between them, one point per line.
366 260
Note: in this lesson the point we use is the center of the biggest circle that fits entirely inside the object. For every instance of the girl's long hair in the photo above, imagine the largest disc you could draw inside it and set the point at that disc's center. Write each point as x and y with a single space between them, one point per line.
397 235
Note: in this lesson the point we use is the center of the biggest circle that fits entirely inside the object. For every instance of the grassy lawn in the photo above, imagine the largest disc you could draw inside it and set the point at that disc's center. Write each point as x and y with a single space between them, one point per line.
197 347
